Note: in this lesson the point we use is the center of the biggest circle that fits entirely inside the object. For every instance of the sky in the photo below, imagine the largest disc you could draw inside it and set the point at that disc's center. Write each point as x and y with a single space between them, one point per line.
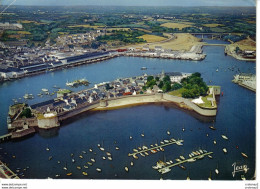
133 2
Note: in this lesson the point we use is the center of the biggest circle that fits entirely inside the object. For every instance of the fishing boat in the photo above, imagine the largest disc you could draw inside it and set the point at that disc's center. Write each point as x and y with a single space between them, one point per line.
209 176
45 90
165 170
224 137
244 155
98 169
191 160
126 169
69 174
153 151
84 173
93 160
108 153
224 150
179 143
183 167
212 127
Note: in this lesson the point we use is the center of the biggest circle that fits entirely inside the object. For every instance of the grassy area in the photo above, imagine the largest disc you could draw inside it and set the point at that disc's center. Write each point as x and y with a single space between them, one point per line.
118 29
152 38
213 25
85 26
177 25
176 92
64 91
207 103
24 32
182 42
246 44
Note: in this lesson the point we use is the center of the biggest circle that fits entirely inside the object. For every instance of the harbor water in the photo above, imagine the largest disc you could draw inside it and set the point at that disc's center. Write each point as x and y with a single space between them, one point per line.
235 119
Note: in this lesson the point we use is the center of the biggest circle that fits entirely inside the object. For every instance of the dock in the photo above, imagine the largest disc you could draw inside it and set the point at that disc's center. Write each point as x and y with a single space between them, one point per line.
183 161
5 137
5 172
156 147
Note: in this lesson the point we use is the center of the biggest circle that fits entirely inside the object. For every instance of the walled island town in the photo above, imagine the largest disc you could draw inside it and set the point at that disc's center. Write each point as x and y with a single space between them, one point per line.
128 92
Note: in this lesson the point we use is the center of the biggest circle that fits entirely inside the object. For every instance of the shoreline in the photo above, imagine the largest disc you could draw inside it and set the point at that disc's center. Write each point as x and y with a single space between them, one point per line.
229 52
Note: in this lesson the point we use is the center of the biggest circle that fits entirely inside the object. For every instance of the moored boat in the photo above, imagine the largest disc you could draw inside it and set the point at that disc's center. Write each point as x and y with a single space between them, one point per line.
224 137
244 155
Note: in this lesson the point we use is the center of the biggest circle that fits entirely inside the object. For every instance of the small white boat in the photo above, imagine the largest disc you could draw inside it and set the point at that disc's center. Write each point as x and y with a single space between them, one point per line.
142 154
126 169
168 132
130 137
90 150
117 148
135 150
109 158
93 160
215 142
102 149
201 151
104 158
65 168
47 149
210 156
171 161
73 160
142 135
57 175
190 155
84 152
78 167
224 150
80 156
224 137
99 145
85 166
45 90
166 141
183 158
98 169
108 153
178 160
135 156
146 153
244 155
162 142
132 163
216 171
139 148
84 173
191 160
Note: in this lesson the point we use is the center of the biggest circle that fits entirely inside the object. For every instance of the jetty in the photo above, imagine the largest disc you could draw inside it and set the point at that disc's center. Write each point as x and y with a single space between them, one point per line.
5 172
178 142
166 168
